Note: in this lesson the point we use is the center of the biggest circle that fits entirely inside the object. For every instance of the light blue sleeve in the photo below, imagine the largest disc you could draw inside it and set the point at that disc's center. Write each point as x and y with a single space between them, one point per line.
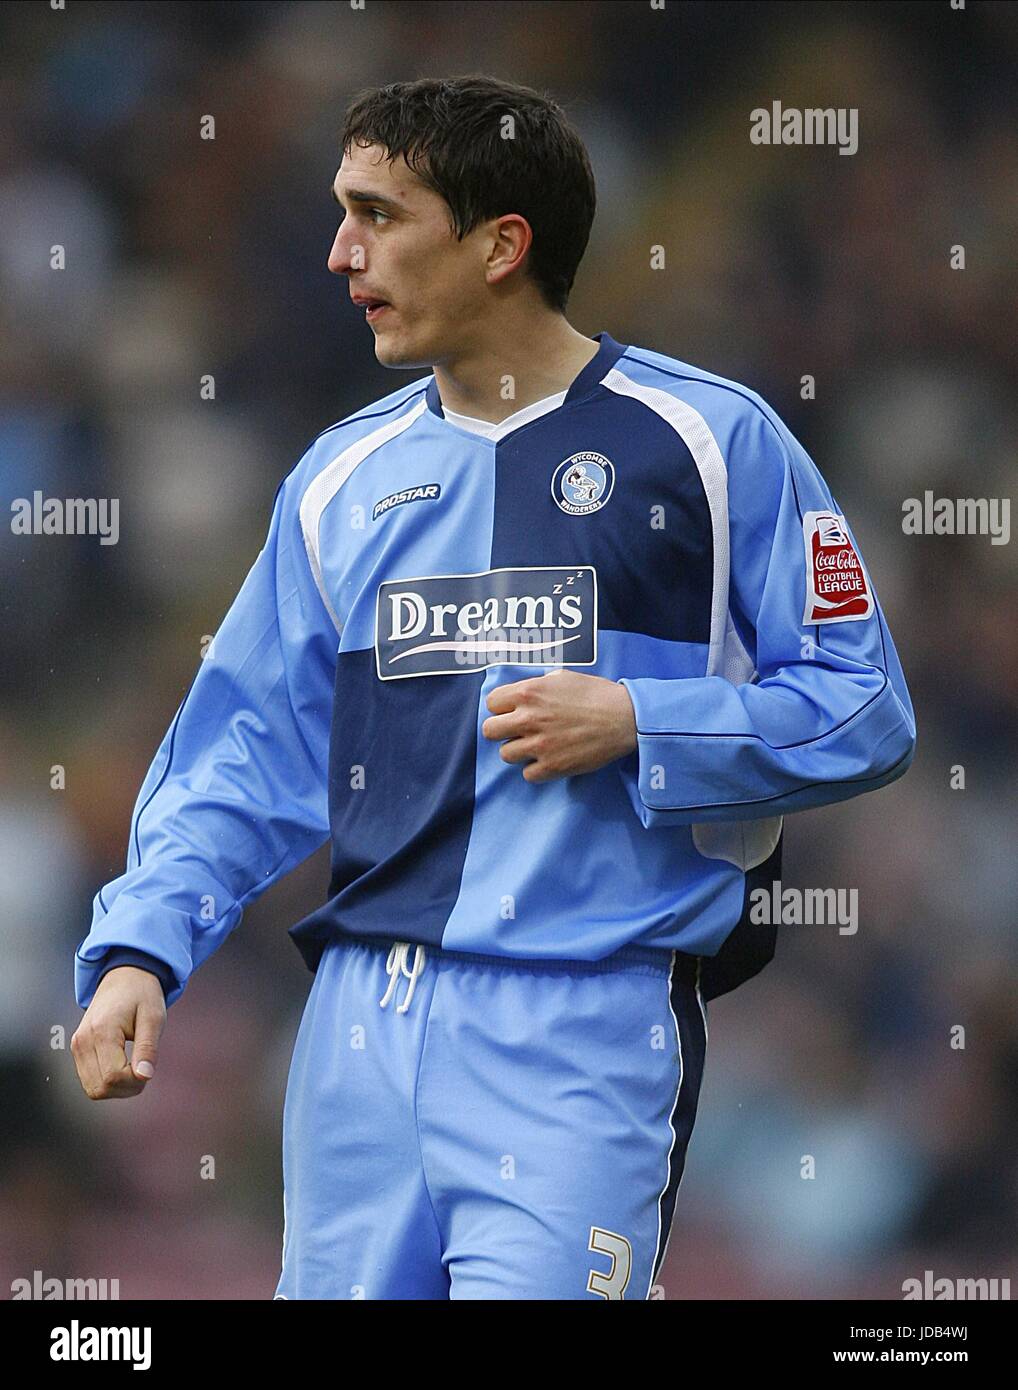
827 714
237 794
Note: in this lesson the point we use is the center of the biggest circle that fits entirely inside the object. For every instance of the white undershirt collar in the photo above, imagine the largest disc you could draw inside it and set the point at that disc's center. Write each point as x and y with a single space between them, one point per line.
512 422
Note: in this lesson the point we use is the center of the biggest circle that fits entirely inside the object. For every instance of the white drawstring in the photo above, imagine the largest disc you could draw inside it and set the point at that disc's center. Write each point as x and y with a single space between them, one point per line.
396 965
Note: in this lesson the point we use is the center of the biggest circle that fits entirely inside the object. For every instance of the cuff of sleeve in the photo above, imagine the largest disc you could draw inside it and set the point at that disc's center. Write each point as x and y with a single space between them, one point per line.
669 783
630 768
126 955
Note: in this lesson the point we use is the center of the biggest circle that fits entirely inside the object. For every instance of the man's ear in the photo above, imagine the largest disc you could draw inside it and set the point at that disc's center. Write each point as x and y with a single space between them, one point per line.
511 240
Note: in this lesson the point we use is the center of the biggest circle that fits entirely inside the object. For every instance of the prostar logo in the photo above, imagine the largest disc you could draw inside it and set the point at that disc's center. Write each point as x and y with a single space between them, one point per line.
455 624
423 492
836 586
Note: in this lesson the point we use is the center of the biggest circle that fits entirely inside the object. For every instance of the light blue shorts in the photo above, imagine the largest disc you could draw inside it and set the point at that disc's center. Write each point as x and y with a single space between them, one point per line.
461 1126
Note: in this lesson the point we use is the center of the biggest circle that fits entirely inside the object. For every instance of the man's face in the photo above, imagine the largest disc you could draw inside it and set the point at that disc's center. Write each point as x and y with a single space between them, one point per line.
397 245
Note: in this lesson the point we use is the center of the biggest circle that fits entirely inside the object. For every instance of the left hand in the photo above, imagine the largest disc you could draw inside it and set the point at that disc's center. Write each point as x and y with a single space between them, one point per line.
561 724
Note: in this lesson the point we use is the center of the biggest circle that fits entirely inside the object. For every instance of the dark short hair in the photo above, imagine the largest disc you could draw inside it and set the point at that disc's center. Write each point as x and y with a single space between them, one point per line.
449 131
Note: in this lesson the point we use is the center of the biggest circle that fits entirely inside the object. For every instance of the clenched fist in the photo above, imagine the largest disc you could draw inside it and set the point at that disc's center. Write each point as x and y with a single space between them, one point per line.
561 724
127 1005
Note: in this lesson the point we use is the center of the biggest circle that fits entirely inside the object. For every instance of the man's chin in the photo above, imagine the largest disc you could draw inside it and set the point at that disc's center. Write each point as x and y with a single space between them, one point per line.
391 353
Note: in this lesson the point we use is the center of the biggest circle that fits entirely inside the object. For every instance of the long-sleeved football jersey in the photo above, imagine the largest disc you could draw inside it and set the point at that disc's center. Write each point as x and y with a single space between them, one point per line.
655 525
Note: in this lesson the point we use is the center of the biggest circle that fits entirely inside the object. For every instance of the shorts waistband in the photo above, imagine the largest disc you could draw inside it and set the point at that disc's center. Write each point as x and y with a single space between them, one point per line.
633 960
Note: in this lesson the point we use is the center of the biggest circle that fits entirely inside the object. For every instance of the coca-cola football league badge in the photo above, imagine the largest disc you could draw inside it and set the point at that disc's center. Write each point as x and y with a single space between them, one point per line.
836 585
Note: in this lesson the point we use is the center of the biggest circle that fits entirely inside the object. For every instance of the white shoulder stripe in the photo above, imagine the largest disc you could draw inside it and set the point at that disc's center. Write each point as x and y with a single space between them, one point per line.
696 434
328 482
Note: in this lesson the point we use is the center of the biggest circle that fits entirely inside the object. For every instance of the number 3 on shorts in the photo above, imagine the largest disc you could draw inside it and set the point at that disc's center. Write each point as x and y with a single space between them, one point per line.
613 1284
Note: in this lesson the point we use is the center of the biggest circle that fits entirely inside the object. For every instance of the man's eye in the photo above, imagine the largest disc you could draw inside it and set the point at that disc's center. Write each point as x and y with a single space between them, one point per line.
377 212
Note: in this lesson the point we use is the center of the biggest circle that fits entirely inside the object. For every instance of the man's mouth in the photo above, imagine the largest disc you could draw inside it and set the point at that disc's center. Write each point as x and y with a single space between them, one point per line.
372 307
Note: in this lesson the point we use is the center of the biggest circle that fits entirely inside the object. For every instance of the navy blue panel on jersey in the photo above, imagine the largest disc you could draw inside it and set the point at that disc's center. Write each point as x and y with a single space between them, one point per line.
398 840
658 574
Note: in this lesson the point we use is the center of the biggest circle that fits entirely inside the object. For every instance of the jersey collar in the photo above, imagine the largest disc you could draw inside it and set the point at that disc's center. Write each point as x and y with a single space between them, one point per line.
608 353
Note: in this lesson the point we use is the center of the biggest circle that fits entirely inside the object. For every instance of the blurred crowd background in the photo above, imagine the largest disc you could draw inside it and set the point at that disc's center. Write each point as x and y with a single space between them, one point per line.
188 256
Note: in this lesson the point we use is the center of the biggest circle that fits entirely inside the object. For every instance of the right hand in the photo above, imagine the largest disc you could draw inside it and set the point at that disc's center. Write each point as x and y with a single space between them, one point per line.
127 1005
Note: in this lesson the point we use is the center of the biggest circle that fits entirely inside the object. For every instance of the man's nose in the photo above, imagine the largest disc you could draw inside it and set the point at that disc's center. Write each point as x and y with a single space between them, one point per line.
338 258
345 256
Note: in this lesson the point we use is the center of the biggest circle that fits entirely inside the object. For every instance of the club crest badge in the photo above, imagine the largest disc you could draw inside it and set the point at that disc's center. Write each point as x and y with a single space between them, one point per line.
583 483
836 586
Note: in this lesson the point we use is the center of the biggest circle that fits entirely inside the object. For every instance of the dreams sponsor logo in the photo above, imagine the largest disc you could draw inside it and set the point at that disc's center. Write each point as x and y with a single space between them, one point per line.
453 624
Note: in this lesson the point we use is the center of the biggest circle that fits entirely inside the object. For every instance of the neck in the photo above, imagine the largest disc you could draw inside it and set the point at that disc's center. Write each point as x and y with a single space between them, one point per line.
508 365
